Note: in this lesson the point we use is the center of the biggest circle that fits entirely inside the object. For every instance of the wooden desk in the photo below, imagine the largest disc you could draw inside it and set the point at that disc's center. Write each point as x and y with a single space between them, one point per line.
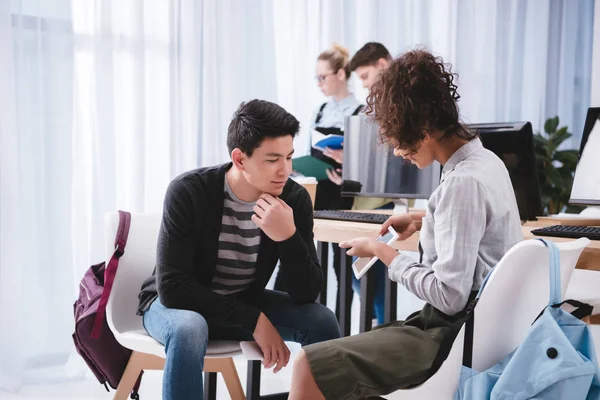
338 231
329 231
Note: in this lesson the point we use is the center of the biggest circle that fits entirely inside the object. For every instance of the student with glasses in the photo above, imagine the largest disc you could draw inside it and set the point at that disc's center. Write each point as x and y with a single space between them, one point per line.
332 73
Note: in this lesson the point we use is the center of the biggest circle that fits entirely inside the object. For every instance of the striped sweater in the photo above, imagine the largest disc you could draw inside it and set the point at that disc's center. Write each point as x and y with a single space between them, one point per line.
188 245
239 242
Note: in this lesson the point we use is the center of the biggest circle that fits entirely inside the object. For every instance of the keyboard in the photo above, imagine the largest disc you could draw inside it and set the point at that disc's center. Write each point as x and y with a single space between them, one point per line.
339 215
569 231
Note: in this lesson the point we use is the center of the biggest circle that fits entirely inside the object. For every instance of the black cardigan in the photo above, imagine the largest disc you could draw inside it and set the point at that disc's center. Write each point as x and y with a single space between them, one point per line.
188 243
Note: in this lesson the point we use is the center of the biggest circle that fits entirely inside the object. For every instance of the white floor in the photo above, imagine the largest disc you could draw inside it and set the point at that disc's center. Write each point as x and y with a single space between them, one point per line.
90 389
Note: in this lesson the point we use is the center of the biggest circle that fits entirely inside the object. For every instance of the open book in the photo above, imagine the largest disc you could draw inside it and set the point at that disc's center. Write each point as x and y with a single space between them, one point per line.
317 163
311 166
321 141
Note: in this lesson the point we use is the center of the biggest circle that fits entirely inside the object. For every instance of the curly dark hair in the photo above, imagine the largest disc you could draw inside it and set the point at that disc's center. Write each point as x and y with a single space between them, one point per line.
414 95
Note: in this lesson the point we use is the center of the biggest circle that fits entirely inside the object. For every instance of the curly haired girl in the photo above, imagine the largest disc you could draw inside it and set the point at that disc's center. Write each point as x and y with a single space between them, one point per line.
470 222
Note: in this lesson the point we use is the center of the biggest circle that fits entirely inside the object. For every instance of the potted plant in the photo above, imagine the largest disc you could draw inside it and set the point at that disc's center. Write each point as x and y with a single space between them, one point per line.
555 168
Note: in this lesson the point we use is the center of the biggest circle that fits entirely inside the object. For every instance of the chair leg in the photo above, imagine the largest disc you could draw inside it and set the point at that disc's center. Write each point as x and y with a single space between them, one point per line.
592 319
137 362
132 371
253 380
226 367
210 386
232 380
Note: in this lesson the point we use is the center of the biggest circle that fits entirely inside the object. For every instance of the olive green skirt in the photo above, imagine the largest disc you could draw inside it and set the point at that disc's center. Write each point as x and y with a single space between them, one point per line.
394 356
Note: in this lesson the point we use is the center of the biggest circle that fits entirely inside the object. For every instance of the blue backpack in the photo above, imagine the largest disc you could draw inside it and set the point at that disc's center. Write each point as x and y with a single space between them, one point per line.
555 361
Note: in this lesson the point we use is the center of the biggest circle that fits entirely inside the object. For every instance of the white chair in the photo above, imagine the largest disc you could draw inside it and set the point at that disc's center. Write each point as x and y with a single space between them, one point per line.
516 292
134 267
585 287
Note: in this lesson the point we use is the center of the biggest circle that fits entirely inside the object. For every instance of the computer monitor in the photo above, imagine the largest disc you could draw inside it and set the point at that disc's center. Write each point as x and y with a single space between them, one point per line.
512 142
586 185
380 173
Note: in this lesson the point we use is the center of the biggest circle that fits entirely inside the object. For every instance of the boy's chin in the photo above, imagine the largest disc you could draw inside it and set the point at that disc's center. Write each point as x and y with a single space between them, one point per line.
274 192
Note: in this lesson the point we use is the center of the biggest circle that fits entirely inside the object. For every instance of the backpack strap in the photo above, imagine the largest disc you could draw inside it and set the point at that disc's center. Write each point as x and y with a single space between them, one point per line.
134 392
358 109
554 261
320 113
111 270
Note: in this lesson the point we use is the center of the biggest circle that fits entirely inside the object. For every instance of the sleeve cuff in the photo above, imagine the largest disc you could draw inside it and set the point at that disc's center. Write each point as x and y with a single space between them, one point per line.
398 267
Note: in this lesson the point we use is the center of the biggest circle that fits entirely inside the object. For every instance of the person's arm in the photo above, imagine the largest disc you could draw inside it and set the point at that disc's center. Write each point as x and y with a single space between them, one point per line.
177 287
417 217
300 269
460 221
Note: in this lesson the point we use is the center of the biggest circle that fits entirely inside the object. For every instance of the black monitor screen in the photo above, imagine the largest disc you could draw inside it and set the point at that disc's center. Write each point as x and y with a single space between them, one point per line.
512 142
586 184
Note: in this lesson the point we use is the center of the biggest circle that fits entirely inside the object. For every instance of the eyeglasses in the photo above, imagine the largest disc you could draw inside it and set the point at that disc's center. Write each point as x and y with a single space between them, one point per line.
321 78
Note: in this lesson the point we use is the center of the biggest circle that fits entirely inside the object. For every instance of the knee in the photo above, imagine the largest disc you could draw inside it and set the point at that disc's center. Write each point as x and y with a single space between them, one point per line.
325 325
189 333
301 363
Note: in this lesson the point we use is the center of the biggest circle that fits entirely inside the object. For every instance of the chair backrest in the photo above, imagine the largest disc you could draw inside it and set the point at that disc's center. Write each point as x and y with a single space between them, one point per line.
517 291
134 267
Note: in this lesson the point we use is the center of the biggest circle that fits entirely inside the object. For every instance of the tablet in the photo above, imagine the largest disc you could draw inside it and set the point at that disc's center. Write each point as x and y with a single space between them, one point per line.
362 265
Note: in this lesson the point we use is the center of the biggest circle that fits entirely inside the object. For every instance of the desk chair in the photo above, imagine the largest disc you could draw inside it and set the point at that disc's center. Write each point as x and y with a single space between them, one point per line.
585 287
134 267
514 296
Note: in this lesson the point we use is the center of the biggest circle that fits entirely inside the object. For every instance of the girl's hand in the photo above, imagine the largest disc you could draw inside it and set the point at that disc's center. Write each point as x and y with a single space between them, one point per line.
360 247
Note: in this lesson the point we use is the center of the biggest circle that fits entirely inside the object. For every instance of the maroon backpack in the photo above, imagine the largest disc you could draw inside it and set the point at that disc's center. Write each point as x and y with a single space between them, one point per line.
93 338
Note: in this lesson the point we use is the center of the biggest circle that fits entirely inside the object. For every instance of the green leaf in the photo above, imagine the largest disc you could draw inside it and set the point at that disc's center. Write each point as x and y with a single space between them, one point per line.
539 140
555 168
551 125
557 138
567 157
554 177
540 146
574 209
562 130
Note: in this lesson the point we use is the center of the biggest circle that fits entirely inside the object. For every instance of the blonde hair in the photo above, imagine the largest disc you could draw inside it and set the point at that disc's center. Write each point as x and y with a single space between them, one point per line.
338 58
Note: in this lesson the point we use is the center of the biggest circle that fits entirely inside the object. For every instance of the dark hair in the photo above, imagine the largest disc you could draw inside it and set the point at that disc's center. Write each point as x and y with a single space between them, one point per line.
414 95
337 57
369 54
256 120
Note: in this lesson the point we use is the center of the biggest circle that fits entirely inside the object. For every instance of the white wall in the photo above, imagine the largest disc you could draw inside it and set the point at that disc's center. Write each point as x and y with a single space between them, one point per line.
595 95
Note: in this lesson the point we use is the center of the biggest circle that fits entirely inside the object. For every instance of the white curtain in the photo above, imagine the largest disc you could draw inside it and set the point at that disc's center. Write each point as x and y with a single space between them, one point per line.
517 60
238 64
136 113
103 102
99 110
36 265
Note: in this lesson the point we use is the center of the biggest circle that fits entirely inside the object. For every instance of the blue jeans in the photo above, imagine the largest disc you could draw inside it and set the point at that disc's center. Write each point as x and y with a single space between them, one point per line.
379 299
185 336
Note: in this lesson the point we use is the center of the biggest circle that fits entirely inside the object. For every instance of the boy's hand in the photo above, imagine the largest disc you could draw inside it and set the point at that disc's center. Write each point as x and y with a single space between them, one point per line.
274 217
271 344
